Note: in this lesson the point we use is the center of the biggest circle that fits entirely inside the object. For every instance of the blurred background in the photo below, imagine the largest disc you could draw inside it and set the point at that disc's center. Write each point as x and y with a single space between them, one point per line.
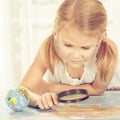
24 24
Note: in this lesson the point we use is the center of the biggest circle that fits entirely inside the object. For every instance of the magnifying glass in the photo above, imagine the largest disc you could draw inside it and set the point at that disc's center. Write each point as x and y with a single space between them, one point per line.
70 96
74 95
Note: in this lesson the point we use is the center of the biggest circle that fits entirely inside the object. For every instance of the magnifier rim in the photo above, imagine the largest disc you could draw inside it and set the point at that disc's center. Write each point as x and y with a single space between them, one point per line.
73 91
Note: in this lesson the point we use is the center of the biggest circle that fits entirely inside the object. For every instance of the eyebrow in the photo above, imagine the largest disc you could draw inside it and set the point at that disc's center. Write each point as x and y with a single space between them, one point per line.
81 46
67 42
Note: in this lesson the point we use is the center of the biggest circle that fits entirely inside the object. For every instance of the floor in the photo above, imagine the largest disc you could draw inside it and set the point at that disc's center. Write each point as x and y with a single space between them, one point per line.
108 100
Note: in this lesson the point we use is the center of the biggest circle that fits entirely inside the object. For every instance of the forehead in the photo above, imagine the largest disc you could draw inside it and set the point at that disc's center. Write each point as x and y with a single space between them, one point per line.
72 35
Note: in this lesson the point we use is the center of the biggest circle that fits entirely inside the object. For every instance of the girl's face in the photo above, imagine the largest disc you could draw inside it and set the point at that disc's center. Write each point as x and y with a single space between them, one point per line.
75 48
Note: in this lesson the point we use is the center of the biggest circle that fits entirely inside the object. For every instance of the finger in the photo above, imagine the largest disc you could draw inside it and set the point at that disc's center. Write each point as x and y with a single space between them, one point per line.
44 102
39 103
54 98
50 100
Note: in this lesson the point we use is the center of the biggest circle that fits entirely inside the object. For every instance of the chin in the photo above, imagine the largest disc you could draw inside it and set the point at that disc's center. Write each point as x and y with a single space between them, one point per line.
76 65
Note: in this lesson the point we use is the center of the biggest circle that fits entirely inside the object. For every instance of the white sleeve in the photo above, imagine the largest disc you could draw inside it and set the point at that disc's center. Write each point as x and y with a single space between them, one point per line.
48 77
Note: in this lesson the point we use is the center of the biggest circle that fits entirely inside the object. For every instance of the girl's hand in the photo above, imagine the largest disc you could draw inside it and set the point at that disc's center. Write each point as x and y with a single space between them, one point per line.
47 101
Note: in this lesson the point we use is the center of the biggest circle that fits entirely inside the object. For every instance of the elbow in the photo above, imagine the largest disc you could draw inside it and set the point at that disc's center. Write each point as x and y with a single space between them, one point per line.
98 89
99 92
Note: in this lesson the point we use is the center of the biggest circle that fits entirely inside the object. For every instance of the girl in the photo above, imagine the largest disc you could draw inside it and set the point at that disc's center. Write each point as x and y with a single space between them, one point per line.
76 55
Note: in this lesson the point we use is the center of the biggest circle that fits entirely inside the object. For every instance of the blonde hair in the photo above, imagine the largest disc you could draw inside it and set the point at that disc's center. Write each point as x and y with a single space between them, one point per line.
88 16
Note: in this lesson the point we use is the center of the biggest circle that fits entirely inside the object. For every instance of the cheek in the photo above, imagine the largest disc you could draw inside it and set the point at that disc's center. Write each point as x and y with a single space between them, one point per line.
64 51
89 54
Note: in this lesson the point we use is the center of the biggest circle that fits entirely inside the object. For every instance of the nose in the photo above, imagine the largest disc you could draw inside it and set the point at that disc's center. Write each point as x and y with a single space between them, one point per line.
76 53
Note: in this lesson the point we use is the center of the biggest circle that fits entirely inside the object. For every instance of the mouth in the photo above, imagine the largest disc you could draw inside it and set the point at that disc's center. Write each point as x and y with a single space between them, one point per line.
77 61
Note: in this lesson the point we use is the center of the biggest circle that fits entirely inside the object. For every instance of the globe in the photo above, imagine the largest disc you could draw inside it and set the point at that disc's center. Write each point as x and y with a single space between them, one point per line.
17 99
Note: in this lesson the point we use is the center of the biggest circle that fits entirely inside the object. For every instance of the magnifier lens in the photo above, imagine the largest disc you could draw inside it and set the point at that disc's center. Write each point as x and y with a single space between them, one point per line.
73 95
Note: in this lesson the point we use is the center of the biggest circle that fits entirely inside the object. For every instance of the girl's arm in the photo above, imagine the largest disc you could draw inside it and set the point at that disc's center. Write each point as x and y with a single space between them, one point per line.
33 78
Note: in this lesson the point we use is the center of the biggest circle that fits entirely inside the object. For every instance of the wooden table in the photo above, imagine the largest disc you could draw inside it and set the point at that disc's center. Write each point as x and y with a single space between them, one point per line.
109 99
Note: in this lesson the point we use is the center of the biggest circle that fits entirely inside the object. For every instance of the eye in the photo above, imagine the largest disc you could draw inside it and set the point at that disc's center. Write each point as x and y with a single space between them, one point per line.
86 48
68 45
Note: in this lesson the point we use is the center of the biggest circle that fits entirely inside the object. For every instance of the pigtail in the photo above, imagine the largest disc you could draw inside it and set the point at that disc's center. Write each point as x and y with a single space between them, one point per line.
107 59
51 55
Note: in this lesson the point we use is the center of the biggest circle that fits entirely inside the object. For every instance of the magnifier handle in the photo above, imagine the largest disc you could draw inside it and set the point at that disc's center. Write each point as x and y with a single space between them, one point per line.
36 107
